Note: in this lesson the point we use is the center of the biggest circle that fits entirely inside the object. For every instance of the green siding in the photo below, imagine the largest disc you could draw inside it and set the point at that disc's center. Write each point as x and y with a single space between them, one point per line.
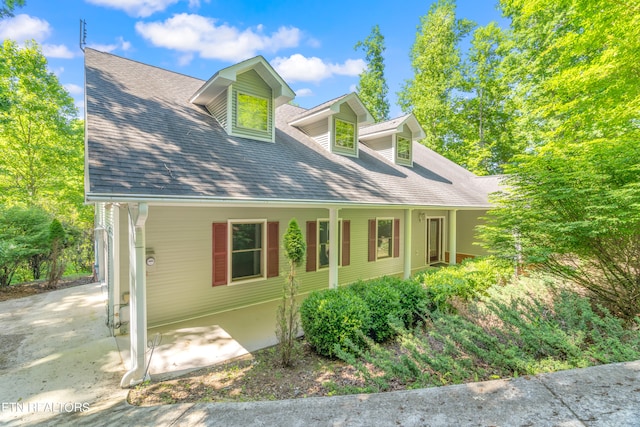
179 285
218 109
383 146
251 83
466 228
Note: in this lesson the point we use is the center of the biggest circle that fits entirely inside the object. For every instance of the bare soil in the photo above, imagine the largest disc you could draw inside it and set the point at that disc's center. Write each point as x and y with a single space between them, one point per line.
260 378
40 286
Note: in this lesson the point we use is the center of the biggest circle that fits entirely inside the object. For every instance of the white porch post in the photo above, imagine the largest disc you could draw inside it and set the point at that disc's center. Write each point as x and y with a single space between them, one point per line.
333 247
453 238
407 243
137 295
99 242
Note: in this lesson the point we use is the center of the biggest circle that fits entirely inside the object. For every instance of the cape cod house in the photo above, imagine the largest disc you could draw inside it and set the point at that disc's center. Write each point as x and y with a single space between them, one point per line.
194 183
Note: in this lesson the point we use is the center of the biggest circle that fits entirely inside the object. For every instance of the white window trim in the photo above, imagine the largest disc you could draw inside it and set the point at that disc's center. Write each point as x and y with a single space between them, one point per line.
318 221
237 115
333 142
263 261
392 219
442 239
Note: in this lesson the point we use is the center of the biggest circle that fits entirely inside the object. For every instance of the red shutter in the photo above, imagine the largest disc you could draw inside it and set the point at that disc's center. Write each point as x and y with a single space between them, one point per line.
346 243
273 252
396 238
372 239
219 250
311 245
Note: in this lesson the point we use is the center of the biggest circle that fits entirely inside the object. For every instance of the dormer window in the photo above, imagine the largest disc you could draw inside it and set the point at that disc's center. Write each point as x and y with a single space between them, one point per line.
253 112
345 135
403 150
243 98
393 139
334 125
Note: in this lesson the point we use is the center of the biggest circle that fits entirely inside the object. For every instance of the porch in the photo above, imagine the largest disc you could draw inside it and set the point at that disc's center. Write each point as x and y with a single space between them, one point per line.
179 348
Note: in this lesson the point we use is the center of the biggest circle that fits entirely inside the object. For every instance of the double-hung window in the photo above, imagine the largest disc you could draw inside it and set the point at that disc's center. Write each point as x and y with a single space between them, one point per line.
384 238
244 250
247 251
403 149
318 242
323 243
345 135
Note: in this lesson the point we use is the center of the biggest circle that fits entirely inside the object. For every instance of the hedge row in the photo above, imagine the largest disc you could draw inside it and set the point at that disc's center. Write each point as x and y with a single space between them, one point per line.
333 319
336 318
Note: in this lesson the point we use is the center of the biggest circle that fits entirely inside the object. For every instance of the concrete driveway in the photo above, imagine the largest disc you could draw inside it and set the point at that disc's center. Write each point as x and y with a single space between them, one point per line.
57 357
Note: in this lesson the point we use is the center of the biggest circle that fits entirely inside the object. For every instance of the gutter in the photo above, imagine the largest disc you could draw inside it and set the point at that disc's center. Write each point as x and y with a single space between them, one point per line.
282 203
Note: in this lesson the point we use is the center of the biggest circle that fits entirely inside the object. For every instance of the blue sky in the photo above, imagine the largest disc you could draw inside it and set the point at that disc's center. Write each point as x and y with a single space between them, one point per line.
310 43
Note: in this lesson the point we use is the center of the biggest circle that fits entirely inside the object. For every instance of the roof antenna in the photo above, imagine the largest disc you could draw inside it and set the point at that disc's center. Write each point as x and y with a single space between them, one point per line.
83 34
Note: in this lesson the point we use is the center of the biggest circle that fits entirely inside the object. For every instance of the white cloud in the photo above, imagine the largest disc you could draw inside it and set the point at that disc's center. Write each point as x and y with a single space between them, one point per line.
24 27
298 68
304 92
57 51
137 8
73 89
198 34
120 43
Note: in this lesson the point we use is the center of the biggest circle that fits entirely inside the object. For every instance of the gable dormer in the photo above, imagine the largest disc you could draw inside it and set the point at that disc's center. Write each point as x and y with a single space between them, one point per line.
334 125
394 138
243 98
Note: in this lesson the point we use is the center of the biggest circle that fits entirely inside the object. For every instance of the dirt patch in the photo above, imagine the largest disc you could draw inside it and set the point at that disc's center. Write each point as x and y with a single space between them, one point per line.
40 286
259 378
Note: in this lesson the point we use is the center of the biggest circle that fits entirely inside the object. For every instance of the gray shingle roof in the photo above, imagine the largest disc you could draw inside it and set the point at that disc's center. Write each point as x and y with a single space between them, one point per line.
381 127
144 138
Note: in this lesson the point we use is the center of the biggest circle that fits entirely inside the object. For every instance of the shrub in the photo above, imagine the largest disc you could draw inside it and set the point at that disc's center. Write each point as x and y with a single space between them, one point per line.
334 317
413 297
466 281
383 300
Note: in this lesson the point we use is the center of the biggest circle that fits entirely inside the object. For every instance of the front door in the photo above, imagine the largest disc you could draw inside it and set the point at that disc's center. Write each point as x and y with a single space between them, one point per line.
434 240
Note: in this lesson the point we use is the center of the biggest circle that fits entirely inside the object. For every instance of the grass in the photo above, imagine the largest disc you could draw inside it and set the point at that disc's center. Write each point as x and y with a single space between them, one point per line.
523 328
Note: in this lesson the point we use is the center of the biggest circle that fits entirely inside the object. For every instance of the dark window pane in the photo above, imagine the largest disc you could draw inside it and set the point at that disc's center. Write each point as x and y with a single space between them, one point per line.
247 236
246 264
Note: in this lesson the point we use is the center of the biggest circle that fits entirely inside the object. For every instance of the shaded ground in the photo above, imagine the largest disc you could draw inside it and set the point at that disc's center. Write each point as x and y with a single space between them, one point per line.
37 287
259 378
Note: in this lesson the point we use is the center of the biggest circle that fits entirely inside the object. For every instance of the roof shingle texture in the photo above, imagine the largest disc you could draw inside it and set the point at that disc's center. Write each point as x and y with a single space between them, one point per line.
144 138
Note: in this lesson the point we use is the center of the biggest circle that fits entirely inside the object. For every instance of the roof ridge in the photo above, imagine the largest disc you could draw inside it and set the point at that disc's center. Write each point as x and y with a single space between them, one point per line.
141 63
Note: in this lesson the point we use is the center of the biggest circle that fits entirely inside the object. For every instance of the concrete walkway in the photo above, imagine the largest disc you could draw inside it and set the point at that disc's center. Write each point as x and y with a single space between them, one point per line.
44 376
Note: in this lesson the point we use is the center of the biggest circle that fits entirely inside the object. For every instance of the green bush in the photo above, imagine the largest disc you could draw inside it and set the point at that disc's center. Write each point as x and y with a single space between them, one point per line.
334 317
384 305
466 281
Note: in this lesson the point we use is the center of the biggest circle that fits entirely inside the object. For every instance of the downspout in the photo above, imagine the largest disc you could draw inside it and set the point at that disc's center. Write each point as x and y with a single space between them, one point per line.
138 303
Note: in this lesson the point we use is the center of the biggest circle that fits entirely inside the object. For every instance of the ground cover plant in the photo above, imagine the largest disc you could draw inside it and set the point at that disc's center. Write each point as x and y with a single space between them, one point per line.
522 327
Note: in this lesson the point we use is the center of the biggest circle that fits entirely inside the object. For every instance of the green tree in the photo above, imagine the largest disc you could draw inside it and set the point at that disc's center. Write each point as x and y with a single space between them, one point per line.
572 203
438 78
57 241
24 238
487 113
41 148
372 87
287 325
8 6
